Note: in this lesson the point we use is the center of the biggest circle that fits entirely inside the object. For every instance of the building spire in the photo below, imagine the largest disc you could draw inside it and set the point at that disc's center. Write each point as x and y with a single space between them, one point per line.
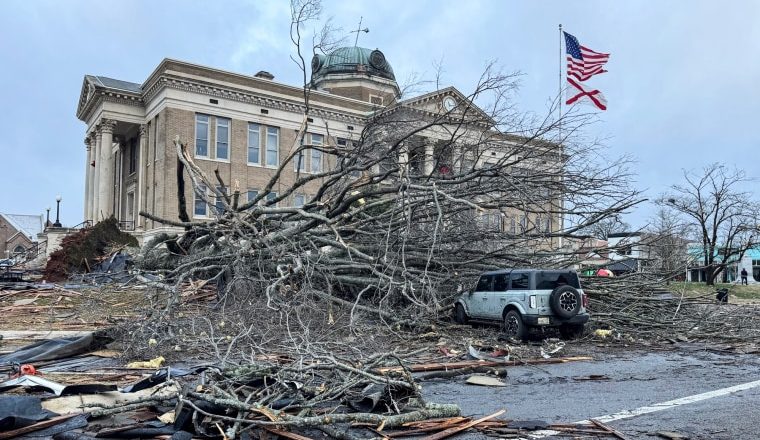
359 30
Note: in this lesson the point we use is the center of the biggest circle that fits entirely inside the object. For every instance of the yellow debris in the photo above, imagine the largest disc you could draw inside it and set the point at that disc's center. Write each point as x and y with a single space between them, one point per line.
153 363
603 333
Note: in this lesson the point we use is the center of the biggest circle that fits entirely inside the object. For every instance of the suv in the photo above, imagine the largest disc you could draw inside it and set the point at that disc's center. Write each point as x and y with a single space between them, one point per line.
524 298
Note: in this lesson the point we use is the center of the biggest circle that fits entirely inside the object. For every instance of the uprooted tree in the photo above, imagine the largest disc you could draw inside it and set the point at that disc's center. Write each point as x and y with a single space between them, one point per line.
403 215
724 217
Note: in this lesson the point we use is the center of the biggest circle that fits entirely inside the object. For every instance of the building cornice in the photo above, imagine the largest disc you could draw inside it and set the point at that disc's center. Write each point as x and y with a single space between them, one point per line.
169 81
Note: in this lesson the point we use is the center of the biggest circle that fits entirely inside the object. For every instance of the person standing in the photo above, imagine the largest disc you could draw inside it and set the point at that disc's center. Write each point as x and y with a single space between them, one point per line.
744 276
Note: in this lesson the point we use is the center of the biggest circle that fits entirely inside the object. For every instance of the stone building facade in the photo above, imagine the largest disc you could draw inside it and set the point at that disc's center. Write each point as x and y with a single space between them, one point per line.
241 125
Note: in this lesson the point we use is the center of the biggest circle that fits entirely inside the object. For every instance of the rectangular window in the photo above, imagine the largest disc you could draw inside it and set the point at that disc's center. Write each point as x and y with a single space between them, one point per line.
520 281
552 280
342 142
200 208
500 283
512 225
484 284
316 154
130 205
133 156
299 200
201 135
271 196
299 163
252 194
219 200
273 146
254 144
222 138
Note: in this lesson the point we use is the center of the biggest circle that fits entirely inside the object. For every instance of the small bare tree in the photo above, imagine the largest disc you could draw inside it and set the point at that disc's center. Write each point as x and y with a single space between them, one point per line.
667 237
724 217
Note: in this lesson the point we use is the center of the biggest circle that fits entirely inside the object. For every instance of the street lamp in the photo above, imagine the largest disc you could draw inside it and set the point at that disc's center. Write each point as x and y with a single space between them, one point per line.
57 223
47 219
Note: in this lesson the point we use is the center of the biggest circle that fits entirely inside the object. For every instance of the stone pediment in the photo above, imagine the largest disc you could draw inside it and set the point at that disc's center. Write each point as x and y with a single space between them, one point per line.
97 87
448 101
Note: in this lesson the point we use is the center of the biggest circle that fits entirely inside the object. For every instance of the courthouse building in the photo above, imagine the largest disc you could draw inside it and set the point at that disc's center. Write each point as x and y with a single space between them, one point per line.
241 125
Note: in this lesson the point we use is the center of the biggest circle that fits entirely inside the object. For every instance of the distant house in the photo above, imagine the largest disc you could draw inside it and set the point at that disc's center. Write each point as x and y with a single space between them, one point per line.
18 235
628 252
731 274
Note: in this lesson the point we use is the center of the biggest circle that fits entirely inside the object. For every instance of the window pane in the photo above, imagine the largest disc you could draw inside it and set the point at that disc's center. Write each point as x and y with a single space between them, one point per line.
271 196
219 205
316 161
200 204
500 283
222 138
201 135
484 284
520 281
552 280
273 135
299 200
300 162
253 143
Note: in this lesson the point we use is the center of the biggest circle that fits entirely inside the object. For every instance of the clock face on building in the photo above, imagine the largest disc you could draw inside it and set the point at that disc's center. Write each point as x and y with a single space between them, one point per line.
449 103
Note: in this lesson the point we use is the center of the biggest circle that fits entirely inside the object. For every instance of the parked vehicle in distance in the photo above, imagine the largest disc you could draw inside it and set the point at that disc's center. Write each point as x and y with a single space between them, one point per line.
525 298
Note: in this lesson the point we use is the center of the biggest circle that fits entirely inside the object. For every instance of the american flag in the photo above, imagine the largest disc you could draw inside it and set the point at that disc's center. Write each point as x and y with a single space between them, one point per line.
582 62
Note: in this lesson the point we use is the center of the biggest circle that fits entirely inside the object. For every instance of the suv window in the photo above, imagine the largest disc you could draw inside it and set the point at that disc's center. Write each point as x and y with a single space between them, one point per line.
484 283
500 282
551 280
520 281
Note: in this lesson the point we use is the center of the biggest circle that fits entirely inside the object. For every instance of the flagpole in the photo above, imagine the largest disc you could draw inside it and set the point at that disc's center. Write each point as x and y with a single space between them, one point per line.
559 125
559 90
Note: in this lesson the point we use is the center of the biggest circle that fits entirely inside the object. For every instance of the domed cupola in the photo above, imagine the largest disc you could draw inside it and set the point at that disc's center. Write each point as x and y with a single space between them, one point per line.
355 72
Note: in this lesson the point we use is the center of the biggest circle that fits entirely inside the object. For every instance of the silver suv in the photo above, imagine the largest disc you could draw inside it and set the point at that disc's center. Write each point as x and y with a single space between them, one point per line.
524 298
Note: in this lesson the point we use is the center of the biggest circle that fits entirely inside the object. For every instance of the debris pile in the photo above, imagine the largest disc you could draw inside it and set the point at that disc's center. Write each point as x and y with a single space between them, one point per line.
83 251
637 307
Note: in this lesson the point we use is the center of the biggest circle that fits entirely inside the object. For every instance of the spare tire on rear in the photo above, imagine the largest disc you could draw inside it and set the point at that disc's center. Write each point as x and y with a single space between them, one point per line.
565 301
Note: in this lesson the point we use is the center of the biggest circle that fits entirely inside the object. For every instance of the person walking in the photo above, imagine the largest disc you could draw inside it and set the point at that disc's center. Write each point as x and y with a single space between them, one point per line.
744 276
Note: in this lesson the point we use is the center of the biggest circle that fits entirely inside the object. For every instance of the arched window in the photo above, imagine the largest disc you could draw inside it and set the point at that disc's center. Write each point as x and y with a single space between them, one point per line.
18 250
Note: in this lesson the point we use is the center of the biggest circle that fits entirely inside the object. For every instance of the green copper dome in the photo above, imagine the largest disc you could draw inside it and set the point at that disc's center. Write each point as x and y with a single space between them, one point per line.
352 60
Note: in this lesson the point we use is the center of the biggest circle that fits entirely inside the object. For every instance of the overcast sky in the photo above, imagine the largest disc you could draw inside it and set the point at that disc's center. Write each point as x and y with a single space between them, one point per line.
681 89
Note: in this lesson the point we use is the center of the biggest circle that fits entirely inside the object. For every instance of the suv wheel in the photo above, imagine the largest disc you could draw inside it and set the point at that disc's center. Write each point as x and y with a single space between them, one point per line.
514 326
460 316
571 331
565 301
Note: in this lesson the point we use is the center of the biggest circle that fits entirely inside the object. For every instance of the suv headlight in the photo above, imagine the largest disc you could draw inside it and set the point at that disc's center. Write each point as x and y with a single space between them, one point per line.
532 301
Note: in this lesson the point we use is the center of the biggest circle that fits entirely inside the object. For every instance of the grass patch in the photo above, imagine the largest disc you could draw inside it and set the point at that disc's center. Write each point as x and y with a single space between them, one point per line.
701 289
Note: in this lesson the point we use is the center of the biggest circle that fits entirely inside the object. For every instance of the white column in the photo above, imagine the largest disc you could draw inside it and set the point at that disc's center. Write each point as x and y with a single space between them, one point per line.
87 178
106 188
429 159
141 174
96 181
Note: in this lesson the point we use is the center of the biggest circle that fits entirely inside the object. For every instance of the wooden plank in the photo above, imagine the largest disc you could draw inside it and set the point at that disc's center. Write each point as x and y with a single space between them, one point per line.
609 429
451 431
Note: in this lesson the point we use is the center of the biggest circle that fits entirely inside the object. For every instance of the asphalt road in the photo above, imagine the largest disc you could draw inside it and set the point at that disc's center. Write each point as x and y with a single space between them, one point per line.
692 391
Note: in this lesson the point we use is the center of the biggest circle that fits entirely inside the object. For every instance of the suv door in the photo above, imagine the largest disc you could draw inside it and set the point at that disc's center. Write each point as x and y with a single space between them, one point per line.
519 285
479 299
500 296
